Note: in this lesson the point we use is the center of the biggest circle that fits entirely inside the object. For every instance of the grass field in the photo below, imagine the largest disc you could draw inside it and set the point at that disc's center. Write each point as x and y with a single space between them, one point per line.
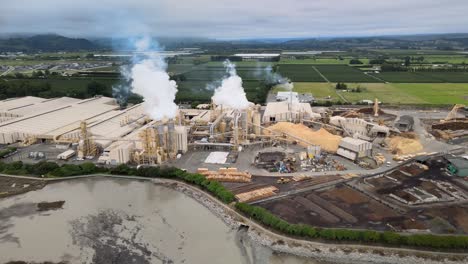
402 93
300 73
410 93
343 73
386 93
443 93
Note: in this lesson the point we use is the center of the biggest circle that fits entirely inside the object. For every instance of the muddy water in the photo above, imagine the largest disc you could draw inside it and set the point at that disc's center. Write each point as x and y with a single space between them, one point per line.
121 221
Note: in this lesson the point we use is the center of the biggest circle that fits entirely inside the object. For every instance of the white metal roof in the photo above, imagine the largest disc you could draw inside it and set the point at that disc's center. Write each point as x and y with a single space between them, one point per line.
8 104
260 55
44 105
275 108
47 122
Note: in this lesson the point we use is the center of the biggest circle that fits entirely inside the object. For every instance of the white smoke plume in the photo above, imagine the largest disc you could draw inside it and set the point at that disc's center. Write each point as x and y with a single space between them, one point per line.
231 93
277 79
150 80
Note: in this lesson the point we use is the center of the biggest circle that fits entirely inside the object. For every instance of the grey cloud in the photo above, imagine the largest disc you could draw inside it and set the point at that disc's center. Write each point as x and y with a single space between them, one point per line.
233 19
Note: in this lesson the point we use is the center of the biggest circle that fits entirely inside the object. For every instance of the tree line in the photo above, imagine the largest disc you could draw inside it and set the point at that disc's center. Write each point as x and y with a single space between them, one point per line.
362 236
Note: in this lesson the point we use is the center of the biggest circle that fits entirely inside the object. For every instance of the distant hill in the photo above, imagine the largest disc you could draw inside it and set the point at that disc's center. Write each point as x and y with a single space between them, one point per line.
53 43
46 43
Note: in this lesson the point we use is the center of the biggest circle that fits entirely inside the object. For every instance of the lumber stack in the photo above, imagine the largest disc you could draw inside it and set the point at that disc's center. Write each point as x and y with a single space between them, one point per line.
226 175
257 194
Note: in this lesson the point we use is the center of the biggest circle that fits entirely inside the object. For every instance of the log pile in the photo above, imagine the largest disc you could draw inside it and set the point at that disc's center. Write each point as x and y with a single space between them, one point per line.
226 175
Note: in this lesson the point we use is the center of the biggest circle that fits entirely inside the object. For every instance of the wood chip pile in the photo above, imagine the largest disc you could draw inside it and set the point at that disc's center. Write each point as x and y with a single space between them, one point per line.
402 146
321 137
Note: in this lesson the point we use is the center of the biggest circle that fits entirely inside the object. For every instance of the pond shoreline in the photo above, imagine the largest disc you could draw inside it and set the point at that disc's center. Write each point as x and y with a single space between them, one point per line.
318 251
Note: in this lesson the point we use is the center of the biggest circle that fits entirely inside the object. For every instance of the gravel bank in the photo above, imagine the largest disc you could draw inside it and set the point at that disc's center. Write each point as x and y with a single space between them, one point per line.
316 251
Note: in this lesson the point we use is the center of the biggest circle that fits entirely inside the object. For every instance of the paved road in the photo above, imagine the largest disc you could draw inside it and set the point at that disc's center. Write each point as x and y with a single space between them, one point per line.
10 69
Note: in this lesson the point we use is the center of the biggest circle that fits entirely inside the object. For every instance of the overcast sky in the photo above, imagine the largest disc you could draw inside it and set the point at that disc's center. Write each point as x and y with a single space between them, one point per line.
229 19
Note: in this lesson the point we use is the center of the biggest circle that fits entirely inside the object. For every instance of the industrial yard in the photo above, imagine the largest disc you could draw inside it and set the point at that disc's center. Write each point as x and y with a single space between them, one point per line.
368 166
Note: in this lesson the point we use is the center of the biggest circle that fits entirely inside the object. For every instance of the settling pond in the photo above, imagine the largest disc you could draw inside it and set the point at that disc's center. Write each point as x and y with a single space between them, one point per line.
105 220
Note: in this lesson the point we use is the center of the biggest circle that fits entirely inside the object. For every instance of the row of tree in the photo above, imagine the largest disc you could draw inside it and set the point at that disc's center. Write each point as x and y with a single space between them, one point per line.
363 236
42 88
52 169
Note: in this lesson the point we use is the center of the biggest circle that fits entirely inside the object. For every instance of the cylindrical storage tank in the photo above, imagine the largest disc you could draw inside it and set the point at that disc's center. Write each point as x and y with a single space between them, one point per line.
249 120
181 139
222 126
162 141
170 138
256 121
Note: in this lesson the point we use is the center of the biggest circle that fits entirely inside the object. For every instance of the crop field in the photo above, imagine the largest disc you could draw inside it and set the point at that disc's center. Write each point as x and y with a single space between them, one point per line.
410 52
343 73
213 74
239 64
423 77
179 68
191 90
406 77
450 77
319 61
455 59
300 73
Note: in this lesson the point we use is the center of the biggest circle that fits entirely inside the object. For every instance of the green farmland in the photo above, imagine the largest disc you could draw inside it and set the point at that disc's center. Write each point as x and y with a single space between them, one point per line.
300 72
343 73
410 93
401 93
423 77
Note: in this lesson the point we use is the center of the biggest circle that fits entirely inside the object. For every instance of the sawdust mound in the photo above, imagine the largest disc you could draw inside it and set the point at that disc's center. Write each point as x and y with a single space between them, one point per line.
402 146
321 137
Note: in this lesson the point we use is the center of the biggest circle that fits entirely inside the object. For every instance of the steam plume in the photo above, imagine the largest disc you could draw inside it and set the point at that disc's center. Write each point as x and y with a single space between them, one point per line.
277 79
231 93
150 80
121 91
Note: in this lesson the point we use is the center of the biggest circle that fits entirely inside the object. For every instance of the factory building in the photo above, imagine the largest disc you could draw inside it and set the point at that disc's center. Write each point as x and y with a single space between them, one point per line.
405 123
352 148
48 119
287 111
258 56
96 124
151 144
360 128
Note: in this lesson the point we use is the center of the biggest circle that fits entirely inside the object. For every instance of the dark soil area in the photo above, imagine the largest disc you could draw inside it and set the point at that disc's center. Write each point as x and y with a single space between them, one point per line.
46 206
15 185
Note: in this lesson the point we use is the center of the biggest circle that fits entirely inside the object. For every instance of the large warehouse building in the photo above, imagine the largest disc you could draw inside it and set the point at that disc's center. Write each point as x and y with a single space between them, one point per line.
98 120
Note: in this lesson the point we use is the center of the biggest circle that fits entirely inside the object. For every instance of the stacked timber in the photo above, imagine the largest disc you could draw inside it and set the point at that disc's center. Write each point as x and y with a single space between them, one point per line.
257 194
226 175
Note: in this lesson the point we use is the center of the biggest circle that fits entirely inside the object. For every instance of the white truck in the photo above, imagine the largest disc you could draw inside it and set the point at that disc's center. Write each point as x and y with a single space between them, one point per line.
66 155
